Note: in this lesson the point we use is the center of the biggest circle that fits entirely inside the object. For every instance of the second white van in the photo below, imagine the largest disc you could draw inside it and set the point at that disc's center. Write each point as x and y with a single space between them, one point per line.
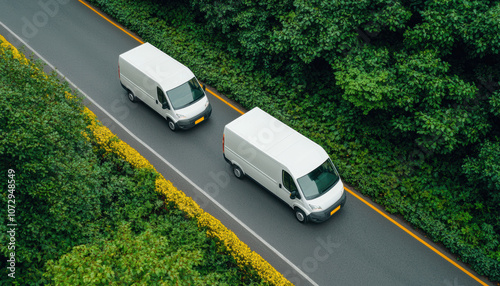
166 85
288 164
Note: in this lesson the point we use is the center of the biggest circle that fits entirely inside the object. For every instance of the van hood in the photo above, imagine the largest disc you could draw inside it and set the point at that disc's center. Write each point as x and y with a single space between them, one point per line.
193 109
329 198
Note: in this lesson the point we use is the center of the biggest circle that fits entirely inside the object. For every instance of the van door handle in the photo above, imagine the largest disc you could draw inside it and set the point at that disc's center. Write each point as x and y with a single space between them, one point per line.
157 101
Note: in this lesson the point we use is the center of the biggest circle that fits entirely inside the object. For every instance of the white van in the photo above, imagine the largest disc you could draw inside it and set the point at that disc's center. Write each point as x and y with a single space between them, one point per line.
166 85
291 166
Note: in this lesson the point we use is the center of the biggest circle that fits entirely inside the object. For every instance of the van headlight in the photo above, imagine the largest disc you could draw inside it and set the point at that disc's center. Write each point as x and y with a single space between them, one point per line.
315 207
207 104
181 116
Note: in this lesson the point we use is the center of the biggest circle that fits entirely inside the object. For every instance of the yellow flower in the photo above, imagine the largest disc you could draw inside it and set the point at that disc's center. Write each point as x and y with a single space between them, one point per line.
17 55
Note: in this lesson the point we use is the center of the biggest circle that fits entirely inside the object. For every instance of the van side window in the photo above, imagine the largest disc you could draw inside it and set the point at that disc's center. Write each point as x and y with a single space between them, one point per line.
288 182
161 97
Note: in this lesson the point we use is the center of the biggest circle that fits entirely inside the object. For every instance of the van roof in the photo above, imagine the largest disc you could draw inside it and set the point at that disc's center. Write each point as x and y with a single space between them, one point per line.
162 68
290 148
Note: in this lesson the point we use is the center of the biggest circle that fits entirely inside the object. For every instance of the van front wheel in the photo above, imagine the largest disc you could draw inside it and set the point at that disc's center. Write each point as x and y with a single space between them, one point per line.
300 215
171 124
131 96
238 173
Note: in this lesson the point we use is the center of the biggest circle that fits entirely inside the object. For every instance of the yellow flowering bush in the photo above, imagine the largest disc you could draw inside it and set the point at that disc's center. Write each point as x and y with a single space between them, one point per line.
4 44
240 251
110 143
180 200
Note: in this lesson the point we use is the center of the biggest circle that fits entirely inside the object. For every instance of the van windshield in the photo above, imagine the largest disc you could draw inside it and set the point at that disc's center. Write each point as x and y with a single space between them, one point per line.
185 94
319 181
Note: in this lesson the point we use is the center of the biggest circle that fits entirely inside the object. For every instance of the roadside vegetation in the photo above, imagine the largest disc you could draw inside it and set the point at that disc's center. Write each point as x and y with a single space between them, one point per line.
404 95
89 209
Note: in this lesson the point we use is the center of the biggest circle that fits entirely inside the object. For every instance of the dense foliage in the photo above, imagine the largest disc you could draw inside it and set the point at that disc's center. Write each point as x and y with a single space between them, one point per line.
404 95
172 253
82 209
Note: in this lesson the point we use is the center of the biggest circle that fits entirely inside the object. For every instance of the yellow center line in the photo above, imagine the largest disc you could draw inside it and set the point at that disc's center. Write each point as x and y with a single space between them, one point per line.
225 101
416 237
351 192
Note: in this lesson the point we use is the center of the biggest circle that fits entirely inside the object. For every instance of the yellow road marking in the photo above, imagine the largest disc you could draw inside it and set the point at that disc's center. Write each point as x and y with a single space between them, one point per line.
225 101
416 237
351 192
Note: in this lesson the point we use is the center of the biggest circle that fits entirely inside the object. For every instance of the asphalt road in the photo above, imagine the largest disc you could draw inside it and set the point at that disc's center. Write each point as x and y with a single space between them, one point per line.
357 246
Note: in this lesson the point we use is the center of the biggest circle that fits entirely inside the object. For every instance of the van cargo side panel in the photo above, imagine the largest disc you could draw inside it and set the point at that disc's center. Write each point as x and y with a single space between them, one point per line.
131 77
252 161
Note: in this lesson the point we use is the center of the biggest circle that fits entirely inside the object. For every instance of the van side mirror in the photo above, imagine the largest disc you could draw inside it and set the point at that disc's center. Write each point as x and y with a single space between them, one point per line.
204 87
165 105
294 195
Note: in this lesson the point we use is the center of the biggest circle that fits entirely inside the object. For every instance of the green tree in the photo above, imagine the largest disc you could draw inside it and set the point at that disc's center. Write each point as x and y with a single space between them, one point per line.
446 24
301 31
425 102
485 168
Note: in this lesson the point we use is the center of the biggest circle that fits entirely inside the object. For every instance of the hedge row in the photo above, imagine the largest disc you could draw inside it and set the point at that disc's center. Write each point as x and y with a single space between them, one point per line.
404 178
113 158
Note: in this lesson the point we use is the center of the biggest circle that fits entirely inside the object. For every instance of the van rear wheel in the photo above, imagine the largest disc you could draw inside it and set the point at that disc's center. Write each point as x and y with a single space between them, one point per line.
238 173
300 215
131 96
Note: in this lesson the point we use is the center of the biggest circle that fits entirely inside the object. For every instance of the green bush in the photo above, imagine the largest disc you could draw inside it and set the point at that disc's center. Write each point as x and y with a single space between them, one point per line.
56 183
151 257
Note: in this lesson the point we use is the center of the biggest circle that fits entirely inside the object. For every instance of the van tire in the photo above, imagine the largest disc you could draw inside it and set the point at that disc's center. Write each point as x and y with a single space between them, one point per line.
300 215
238 173
131 96
171 124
